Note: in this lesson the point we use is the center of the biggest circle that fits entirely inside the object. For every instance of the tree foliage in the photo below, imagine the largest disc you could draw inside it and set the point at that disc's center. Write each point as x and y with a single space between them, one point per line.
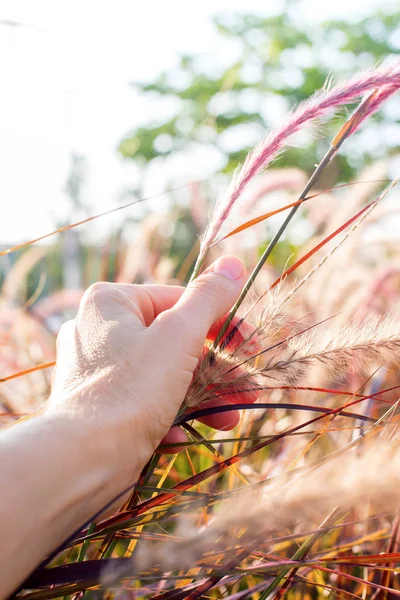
276 62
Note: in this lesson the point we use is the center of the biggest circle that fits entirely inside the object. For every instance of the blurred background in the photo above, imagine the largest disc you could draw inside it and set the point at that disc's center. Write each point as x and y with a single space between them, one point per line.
106 103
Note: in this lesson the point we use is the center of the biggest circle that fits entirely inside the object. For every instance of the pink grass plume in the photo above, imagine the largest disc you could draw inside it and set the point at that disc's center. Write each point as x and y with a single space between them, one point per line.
384 81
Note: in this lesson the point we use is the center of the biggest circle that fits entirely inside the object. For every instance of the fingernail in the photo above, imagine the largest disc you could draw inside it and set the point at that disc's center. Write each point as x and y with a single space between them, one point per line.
228 266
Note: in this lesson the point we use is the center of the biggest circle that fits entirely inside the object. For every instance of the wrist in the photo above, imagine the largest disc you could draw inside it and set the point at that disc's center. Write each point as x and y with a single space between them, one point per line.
97 431
86 455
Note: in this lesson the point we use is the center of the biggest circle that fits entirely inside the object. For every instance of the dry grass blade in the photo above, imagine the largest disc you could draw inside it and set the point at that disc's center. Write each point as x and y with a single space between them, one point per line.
361 215
256 220
27 371
375 476
87 220
128 517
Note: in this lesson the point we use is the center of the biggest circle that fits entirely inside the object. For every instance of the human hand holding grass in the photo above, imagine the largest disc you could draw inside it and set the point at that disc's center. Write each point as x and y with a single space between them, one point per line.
124 366
139 346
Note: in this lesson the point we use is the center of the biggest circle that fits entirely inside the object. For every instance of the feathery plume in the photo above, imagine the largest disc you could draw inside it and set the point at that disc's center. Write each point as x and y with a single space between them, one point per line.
386 76
238 374
348 346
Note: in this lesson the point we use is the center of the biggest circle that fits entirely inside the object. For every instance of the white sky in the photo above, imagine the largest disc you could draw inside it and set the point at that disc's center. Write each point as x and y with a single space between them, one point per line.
65 73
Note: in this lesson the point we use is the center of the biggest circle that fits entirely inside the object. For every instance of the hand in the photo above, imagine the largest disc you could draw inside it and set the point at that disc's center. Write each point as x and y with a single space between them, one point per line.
124 366
125 363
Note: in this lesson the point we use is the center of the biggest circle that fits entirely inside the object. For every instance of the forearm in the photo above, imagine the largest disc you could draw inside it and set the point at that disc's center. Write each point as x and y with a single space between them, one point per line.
54 475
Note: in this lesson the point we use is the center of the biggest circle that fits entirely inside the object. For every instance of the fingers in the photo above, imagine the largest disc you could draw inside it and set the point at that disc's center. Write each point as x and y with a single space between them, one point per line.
205 300
177 336
174 436
224 421
161 297
239 335
144 302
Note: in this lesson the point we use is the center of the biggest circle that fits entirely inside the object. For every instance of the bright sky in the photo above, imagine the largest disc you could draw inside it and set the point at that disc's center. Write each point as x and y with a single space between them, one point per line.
65 70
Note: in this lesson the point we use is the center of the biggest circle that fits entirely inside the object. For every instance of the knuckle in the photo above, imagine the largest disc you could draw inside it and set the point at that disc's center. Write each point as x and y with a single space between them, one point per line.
97 291
103 295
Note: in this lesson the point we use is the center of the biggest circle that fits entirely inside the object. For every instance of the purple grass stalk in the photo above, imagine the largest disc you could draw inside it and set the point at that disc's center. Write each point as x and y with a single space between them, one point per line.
387 76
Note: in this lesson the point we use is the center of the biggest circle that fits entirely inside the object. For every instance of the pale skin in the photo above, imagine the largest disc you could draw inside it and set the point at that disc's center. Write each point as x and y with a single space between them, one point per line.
123 368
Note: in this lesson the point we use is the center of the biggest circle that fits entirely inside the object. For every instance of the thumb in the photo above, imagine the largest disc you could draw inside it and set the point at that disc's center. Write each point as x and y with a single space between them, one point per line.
206 299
